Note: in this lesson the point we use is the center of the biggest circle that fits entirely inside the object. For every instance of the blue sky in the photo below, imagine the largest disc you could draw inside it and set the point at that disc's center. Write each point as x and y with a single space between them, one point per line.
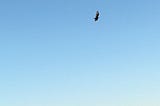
54 54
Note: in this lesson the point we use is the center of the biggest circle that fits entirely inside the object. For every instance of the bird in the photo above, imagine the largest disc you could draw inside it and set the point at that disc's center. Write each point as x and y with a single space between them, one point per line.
97 16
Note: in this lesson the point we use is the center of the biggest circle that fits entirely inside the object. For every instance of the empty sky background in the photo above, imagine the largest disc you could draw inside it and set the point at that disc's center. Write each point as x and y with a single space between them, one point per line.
52 53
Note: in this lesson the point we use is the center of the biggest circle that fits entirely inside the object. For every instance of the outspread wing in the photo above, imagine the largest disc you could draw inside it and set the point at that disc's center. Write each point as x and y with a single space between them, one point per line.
97 13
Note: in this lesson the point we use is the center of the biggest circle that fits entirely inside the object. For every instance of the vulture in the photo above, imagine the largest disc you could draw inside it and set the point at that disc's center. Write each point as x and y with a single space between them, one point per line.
97 16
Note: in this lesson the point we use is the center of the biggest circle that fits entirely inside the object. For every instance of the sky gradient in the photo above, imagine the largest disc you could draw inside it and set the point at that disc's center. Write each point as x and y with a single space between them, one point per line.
52 53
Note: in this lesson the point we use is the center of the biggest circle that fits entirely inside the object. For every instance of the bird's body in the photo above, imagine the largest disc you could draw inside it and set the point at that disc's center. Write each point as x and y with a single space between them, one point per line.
97 16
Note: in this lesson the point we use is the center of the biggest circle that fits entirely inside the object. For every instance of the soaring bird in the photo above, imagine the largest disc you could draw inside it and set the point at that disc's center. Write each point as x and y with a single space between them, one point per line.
97 16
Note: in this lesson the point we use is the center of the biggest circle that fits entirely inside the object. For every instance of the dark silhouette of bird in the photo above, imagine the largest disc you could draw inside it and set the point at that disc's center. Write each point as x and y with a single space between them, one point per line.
97 16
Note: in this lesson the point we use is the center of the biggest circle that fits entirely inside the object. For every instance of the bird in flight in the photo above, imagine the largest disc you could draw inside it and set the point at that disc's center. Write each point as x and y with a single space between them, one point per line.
97 16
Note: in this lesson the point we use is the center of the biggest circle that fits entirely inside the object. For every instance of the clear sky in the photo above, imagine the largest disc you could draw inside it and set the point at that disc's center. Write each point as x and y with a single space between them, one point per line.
52 53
